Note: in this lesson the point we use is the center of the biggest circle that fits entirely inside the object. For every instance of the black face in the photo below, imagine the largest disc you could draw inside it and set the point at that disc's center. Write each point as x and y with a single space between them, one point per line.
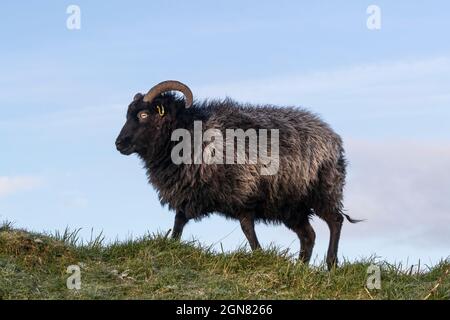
139 117
147 122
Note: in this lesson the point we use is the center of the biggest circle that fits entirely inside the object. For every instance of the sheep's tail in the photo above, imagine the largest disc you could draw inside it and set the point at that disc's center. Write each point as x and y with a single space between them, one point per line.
350 219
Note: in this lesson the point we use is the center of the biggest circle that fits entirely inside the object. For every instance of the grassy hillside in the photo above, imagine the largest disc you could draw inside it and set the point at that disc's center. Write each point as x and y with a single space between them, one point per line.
33 266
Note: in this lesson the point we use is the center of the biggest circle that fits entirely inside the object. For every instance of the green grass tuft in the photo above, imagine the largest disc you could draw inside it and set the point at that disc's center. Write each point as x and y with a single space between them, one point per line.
33 266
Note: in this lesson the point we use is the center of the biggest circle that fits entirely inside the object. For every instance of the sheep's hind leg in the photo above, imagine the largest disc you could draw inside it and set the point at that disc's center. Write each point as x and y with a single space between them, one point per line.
180 222
307 236
248 227
334 222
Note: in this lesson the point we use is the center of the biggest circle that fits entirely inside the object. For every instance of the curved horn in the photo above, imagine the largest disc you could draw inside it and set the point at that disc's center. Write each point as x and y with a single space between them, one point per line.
170 85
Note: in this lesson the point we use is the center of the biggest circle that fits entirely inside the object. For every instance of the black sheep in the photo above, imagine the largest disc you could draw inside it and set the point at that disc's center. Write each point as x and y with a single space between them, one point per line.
309 180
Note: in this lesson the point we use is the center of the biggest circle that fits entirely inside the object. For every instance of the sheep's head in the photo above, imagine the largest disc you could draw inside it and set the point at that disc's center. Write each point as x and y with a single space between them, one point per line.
147 113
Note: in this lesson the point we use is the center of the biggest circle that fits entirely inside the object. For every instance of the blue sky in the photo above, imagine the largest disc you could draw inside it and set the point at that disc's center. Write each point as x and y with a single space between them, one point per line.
64 93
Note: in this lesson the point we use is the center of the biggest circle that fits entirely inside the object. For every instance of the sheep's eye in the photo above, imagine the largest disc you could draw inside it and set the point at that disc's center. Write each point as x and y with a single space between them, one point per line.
143 115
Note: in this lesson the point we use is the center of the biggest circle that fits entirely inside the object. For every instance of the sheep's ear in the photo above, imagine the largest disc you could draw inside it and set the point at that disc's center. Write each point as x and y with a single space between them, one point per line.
138 96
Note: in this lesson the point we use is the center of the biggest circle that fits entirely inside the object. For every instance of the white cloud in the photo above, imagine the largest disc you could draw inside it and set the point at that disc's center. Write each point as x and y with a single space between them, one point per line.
75 200
77 203
402 188
396 85
11 185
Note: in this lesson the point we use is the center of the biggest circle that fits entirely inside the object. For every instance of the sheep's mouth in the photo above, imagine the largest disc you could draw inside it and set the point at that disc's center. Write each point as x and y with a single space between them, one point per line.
128 150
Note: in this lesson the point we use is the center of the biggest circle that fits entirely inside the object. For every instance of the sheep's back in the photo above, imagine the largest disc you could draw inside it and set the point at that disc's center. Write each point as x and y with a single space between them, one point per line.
306 143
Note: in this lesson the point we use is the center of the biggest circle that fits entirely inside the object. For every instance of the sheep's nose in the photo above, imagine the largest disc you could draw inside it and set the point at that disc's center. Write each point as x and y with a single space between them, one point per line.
119 144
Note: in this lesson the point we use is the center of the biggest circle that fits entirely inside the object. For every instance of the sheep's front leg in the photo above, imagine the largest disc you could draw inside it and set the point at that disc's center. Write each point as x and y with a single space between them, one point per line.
248 227
180 222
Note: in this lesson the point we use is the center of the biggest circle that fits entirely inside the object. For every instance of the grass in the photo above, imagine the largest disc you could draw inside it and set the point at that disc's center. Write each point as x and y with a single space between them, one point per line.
33 266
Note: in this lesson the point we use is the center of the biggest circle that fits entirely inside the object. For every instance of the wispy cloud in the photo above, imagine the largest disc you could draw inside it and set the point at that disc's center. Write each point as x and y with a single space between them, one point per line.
11 185
398 84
